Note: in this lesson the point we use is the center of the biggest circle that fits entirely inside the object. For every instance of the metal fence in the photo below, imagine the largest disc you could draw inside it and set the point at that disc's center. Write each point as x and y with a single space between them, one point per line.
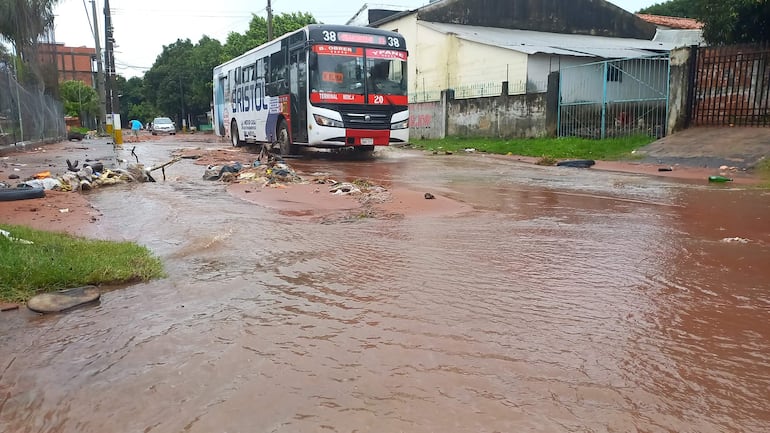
26 113
481 90
731 86
425 96
616 98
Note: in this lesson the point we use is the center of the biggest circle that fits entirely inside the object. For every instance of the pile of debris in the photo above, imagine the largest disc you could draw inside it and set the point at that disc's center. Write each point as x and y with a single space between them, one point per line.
274 172
89 176
270 170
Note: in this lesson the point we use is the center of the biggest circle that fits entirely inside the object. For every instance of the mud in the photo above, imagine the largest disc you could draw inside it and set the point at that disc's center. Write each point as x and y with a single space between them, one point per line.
520 298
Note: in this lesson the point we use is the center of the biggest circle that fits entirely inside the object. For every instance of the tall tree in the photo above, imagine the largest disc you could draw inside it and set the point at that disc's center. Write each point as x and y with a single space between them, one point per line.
256 34
674 8
179 83
133 104
22 23
735 21
725 22
79 99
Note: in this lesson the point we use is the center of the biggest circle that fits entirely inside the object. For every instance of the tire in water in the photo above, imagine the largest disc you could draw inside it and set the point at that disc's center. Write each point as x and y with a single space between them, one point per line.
11 194
577 163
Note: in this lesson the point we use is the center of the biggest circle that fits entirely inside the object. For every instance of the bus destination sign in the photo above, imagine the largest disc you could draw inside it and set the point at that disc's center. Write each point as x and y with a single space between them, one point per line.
362 38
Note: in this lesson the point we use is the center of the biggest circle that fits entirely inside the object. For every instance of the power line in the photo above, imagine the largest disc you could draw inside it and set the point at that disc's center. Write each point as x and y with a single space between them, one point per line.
88 16
126 66
189 14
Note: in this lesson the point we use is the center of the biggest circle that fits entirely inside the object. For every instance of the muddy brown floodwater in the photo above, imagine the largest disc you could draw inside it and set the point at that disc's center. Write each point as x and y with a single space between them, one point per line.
545 300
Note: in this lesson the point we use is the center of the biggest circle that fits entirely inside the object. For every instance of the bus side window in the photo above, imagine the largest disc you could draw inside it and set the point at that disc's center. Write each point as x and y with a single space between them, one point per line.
278 73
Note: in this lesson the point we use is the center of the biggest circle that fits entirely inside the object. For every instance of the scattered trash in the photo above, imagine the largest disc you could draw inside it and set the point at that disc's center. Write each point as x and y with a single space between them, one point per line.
65 210
429 196
736 239
47 183
344 188
719 179
666 169
216 172
7 234
268 169
470 150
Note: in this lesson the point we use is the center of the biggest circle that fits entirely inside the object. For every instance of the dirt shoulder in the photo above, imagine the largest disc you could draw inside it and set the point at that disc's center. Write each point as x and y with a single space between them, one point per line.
694 155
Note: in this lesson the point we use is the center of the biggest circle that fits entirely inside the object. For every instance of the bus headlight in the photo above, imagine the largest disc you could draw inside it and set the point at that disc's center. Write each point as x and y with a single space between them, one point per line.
404 124
325 121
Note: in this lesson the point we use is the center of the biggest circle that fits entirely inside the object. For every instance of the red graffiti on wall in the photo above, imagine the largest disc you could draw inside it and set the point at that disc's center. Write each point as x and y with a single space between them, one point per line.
420 120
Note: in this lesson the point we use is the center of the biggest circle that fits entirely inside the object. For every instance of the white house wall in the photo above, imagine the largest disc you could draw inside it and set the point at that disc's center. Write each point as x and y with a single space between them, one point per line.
439 61
582 84
432 65
479 64
642 79
540 65
638 79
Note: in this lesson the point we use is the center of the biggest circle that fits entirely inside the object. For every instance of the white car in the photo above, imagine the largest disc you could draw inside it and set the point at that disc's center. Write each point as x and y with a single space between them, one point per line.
163 125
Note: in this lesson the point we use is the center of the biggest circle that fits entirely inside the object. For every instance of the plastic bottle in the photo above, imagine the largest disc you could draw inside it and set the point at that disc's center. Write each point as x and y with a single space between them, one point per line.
719 179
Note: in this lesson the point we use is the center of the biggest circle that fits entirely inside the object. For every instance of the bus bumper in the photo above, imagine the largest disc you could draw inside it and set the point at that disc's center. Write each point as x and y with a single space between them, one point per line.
357 137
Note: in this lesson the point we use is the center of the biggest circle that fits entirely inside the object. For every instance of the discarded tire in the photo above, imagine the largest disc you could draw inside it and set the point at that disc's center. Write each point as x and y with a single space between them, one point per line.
10 194
577 163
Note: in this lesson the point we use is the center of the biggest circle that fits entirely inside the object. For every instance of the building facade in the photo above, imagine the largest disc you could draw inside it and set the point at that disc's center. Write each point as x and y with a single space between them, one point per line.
72 63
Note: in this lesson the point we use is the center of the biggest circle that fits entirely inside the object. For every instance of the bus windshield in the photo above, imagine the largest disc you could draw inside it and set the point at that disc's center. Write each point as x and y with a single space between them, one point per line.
346 70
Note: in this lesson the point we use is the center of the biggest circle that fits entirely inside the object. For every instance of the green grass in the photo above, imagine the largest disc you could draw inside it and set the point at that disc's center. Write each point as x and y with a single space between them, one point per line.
57 261
547 148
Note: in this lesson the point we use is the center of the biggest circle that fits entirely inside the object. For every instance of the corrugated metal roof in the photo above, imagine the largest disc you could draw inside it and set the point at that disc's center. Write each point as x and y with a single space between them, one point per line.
680 38
531 42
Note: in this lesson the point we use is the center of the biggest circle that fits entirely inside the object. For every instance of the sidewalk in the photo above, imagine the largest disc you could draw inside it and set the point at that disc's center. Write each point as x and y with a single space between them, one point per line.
711 147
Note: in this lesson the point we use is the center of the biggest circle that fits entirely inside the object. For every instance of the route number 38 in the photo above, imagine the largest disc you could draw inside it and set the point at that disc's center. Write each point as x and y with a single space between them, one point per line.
330 36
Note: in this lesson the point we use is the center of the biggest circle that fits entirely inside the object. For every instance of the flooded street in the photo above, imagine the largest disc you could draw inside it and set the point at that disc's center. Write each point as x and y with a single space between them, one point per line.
557 300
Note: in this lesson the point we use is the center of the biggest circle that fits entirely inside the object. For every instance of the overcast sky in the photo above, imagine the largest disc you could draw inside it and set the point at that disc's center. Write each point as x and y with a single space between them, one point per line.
143 27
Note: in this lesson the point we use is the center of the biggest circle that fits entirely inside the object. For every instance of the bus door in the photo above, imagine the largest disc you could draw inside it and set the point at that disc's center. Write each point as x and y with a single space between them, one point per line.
219 104
298 89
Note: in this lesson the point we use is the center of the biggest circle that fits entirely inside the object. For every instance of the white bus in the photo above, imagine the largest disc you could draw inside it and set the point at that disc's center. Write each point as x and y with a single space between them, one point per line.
326 86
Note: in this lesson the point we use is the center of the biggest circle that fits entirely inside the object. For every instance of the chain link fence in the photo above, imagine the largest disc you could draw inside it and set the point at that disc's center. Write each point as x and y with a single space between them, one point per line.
27 114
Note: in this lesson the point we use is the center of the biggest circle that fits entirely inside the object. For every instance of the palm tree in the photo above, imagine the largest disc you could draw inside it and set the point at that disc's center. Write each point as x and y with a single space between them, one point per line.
22 23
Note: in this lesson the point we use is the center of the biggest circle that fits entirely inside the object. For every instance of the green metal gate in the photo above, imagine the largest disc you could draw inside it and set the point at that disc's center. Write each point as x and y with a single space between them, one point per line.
614 98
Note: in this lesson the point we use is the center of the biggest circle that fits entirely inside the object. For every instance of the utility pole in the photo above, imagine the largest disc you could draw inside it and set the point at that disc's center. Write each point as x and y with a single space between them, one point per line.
99 71
184 119
109 60
269 21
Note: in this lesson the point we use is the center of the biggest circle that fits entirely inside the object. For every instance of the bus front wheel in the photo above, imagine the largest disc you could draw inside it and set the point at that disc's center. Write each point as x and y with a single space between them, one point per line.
234 134
284 139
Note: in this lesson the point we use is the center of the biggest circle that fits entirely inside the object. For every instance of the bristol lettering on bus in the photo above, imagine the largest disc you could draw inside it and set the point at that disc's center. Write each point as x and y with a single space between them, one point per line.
325 86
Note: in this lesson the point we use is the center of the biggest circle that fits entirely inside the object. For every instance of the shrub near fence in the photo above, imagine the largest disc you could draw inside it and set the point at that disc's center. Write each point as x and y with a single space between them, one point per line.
27 114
